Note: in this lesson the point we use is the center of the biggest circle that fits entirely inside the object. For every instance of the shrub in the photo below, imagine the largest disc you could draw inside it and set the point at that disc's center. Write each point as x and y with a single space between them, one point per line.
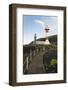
49 55
53 62
50 61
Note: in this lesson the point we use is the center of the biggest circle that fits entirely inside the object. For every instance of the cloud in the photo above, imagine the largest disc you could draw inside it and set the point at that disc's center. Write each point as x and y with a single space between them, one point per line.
41 23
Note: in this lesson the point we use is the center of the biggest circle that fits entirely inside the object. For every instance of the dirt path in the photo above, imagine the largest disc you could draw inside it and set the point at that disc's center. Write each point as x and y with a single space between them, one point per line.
36 66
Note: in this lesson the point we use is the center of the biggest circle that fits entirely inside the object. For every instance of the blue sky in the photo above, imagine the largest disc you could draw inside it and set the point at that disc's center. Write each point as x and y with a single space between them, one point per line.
36 24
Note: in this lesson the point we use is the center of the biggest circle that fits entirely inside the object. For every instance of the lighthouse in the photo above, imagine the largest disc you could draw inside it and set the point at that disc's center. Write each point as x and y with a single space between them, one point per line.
46 42
46 35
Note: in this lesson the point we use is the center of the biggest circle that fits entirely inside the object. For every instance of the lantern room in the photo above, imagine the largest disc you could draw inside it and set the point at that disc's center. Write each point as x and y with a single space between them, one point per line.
46 29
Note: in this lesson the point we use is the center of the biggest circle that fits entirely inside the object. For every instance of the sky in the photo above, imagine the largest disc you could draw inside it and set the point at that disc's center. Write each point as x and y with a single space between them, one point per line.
36 24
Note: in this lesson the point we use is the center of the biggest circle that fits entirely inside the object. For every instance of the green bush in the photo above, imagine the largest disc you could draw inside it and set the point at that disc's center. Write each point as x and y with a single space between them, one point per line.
50 61
49 55
53 62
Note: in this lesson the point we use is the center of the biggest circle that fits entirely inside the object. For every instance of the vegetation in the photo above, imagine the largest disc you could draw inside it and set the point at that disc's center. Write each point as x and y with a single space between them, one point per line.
50 53
50 61
53 62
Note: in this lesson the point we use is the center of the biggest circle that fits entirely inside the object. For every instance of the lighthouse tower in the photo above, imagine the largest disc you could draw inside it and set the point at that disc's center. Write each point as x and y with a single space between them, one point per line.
46 35
46 42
